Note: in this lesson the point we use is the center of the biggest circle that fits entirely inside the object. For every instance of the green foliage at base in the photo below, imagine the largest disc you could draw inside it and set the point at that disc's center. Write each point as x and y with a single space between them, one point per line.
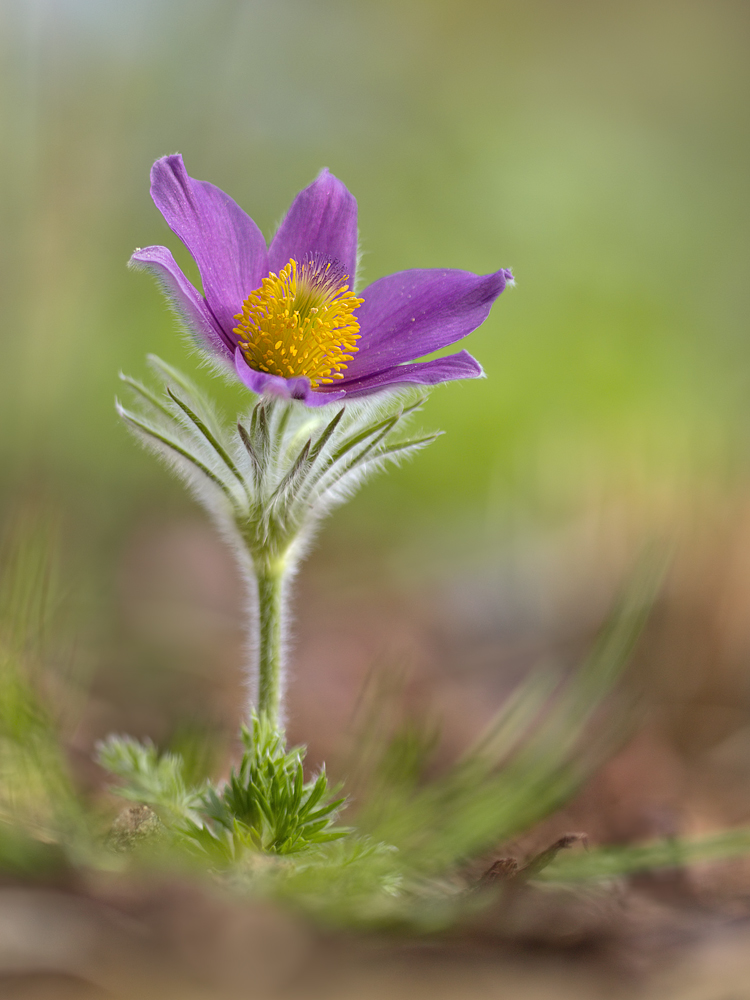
270 833
150 778
266 805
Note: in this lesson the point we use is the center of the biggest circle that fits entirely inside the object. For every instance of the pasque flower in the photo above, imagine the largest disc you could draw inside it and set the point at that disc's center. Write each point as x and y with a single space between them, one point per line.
286 316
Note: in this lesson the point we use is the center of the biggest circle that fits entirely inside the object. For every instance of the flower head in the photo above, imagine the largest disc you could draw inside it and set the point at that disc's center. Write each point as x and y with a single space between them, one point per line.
301 322
286 315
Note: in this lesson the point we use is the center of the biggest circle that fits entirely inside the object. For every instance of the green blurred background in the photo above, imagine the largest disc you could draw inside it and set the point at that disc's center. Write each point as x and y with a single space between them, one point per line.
600 150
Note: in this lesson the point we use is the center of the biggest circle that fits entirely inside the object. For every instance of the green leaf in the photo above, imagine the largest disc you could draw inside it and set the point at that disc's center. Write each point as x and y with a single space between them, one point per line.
200 400
326 435
356 439
149 777
177 448
203 429
293 477
148 396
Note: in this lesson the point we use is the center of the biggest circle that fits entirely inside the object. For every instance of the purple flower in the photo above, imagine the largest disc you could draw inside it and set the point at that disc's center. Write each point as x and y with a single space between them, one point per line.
286 315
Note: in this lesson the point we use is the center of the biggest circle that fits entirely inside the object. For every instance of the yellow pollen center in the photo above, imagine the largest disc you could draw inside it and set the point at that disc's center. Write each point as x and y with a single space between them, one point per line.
300 322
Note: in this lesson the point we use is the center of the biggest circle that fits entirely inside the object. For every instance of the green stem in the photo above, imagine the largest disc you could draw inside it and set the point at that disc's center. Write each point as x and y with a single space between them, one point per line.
271 609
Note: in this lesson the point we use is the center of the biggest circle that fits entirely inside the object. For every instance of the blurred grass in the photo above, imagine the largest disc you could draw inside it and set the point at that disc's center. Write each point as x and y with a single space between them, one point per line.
37 798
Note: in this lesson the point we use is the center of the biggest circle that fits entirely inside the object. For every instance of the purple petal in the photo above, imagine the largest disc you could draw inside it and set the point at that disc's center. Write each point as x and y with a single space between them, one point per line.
228 247
412 313
322 219
186 301
264 384
447 369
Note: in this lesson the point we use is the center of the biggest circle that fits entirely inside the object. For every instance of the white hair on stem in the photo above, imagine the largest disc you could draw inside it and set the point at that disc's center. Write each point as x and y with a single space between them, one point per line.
267 485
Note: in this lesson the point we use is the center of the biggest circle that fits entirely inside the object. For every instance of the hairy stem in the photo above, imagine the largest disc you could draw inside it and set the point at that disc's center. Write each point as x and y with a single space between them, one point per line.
271 613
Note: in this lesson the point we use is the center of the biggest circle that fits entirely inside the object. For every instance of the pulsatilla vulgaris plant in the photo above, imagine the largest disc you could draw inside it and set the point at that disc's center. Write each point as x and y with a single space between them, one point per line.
335 380
334 383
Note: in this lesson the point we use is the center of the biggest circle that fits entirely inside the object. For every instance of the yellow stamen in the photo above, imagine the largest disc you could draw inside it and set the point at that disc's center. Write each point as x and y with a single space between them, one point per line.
300 322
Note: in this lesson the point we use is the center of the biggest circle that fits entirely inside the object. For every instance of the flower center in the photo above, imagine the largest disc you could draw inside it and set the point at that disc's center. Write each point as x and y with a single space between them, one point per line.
301 322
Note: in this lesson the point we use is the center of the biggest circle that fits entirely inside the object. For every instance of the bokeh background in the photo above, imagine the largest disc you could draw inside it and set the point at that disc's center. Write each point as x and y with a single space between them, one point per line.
601 151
